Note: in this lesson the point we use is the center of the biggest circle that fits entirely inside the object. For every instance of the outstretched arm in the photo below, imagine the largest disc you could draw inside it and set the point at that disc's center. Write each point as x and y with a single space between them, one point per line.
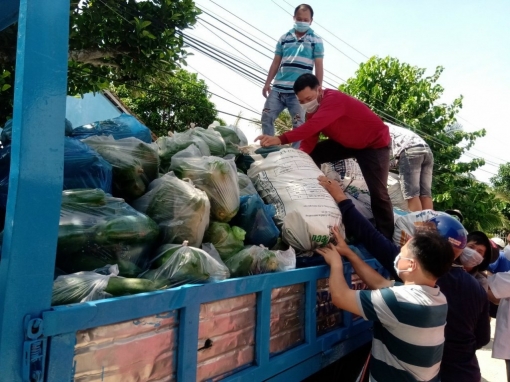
356 225
369 275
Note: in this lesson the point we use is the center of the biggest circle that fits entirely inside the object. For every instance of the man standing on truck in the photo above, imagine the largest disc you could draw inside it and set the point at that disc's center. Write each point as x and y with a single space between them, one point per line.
467 325
297 51
415 163
409 319
354 131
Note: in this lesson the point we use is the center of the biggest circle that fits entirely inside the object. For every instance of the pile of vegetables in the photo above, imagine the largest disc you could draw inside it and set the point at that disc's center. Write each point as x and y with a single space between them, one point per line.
142 216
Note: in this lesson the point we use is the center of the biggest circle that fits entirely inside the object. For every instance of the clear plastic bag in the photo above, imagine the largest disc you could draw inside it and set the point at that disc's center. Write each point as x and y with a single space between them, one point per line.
256 218
181 210
212 138
256 260
81 287
246 187
135 164
181 264
216 176
226 239
169 146
231 138
123 126
96 229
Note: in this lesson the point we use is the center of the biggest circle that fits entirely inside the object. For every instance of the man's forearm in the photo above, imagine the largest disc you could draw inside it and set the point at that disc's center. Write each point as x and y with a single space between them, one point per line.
341 295
272 73
369 275
319 70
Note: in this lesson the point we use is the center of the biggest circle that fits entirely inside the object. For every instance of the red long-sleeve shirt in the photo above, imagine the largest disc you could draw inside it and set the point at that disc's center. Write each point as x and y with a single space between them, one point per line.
343 119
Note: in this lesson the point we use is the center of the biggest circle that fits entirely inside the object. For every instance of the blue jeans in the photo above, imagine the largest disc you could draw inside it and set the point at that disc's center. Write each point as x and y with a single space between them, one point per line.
276 102
415 168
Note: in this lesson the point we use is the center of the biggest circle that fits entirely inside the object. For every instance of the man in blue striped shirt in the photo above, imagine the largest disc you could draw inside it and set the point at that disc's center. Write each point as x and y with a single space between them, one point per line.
409 319
296 53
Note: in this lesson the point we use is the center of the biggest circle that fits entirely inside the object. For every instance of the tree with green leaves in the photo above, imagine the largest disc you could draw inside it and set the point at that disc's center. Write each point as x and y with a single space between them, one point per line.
111 41
404 95
170 104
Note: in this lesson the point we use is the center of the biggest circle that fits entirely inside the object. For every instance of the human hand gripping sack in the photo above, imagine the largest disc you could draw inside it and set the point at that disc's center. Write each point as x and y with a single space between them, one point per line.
268 140
331 255
340 245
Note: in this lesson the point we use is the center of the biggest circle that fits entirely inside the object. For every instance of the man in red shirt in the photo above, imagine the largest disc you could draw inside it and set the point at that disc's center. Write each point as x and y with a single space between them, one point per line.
354 131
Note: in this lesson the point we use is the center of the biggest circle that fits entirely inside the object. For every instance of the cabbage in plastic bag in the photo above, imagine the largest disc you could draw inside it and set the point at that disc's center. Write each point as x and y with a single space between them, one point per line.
256 218
246 186
181 210
226 239
216 176
90 286
181 264
212 138
256 260
123 126
96 229
169 146
81 287
231 139
135 164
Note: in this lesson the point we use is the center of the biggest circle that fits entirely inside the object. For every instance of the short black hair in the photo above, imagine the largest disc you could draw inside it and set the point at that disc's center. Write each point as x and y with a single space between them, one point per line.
433 252
304 81
304 6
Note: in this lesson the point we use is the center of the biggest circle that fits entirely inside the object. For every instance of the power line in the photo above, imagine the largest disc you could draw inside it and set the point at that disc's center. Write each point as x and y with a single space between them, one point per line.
226 91
246 73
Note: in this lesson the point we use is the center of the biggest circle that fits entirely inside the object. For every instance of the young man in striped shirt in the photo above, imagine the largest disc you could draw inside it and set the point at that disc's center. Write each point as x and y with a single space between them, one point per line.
409 319
296 53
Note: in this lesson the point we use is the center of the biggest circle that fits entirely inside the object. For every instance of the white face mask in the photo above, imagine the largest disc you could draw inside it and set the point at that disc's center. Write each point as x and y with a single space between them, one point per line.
506 252
311 107
470 258
395 265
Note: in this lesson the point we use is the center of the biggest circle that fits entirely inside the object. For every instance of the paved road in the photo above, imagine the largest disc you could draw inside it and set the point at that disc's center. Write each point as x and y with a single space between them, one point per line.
493 370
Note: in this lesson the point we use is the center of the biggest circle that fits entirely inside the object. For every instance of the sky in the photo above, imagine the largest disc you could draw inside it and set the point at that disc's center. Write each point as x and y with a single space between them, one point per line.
469 38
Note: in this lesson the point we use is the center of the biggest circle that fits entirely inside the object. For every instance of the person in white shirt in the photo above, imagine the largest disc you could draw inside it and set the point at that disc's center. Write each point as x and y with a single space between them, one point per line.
415 163
499 293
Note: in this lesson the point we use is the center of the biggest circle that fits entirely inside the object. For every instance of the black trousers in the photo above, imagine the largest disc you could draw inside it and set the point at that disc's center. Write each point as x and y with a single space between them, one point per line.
375 165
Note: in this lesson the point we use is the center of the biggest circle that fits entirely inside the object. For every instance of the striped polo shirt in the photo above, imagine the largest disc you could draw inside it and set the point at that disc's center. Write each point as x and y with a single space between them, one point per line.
409 323
298 57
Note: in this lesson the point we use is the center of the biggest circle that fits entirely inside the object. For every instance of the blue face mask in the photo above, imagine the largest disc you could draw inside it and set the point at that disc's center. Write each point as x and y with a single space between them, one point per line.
301 26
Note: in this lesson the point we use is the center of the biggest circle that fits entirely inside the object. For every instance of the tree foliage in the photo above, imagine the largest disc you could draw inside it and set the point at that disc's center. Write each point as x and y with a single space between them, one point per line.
404 95
170 104
113 41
